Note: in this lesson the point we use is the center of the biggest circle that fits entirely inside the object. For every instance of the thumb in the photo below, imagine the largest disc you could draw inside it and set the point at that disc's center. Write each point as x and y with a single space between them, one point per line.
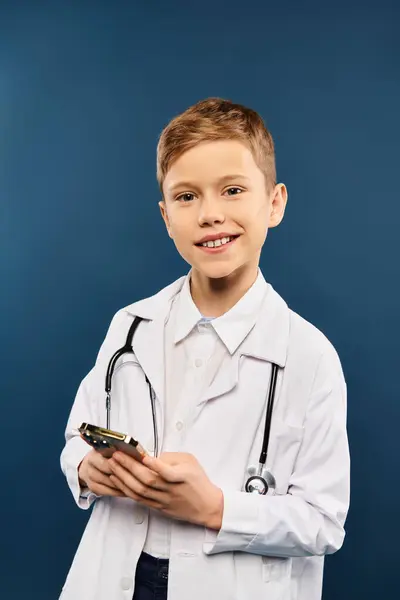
167 472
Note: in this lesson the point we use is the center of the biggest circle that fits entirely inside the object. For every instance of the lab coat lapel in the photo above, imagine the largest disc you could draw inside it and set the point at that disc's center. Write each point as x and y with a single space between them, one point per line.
148 341
267 341
223 379
148 346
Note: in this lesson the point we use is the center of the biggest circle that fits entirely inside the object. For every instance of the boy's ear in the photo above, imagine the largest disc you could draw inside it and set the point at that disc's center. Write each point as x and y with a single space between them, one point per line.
279 199
164 214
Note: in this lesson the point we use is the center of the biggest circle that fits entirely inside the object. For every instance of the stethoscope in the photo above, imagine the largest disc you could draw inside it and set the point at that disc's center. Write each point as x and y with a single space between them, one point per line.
260 479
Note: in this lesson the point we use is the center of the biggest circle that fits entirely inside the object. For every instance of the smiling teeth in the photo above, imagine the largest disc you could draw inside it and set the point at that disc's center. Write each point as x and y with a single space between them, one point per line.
216 243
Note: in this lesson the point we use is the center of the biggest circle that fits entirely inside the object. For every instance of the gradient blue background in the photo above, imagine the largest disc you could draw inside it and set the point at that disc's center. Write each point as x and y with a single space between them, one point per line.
85 89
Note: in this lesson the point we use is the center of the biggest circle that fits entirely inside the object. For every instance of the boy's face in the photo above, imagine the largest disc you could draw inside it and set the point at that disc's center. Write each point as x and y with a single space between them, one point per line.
216 190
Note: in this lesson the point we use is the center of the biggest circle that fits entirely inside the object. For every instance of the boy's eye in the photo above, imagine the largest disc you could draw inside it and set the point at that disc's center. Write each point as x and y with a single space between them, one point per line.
187 197
233 191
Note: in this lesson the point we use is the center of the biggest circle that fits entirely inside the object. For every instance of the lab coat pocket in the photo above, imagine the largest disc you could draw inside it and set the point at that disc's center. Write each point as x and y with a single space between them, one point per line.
285 445
275 568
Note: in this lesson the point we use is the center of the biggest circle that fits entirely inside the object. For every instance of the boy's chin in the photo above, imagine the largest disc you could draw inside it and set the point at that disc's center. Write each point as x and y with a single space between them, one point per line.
216 271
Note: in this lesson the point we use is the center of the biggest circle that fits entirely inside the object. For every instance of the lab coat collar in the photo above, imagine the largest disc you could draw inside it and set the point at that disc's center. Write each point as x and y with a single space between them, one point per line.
268 341
148 341
187 315
157 306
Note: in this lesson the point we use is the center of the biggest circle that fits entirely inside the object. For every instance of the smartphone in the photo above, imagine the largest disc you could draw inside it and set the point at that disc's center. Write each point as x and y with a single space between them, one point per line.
107 442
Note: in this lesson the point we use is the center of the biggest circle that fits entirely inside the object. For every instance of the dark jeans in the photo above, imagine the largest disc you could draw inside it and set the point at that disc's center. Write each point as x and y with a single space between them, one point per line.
151 579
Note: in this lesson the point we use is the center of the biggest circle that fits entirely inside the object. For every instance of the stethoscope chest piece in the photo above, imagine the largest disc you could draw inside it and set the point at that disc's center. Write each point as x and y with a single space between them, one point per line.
260 483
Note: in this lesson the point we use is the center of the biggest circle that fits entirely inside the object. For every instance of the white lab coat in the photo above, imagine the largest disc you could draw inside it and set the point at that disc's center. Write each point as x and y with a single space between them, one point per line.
269 547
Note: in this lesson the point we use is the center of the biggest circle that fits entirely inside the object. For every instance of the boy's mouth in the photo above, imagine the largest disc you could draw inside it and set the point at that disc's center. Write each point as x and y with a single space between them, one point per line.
216 243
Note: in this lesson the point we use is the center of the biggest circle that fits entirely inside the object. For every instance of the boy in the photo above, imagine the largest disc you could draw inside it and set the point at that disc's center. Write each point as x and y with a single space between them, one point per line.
212 346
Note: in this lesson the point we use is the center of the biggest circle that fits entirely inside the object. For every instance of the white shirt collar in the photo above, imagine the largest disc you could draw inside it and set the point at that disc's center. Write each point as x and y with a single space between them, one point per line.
233 326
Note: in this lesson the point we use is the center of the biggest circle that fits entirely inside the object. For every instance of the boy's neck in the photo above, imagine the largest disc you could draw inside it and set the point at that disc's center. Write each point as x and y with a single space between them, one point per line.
214 297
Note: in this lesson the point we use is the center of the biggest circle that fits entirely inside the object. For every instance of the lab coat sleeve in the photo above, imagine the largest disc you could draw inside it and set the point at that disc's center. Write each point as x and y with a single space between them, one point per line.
89 407
309 519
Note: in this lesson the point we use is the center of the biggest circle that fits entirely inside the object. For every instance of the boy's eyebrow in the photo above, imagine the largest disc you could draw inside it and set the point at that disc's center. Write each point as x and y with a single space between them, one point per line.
188 184
233 176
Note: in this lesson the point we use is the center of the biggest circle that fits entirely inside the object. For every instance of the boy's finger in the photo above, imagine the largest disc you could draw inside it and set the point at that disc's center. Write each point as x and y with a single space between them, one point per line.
138 469
139 479
106 490
100 478
101 463
167 472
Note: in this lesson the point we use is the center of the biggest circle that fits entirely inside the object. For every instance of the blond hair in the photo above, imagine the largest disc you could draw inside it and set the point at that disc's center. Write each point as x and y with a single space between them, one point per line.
215 119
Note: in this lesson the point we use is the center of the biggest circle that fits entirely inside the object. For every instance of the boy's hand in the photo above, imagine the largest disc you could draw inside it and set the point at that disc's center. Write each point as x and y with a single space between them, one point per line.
175 484
94 472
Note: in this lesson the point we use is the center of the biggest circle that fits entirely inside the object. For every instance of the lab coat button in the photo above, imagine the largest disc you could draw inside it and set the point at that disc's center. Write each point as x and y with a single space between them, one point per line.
179 425
198 362
126 583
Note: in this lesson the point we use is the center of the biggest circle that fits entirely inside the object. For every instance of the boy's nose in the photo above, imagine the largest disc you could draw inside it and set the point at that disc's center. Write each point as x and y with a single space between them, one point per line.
210 212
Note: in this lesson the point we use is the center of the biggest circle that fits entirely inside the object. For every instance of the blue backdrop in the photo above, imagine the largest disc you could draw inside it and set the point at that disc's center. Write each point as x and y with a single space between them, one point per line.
85 89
